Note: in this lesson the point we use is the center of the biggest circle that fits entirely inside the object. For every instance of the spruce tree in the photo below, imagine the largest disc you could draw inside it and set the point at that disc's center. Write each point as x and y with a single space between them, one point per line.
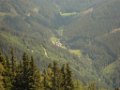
35 77
116 88
1 77
28 76
57 76
54 80
92 86
8 78
13 61
18 81
45 80
25 77
1 72
13 67
31 75
49 77
69 81
63 80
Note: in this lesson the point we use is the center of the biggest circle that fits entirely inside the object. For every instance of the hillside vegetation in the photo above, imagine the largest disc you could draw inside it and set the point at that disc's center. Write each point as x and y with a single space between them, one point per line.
83 33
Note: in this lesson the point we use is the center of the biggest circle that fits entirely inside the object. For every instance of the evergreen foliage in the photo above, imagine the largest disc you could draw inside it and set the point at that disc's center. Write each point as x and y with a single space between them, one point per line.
1 72
25 75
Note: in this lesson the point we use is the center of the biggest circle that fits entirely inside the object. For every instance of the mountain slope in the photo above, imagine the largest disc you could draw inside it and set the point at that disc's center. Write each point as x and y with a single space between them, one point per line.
67 34
96 33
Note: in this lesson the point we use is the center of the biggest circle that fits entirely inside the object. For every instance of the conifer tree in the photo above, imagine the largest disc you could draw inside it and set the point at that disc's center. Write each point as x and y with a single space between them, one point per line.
31 75
26 76
45 80
50 74
18 81
57 77
1 77
1 72
13 61
54 80
26 72
8 63
116 88
63 81
69 81
13 67
49 77
92 86
8 79
35 77
2 59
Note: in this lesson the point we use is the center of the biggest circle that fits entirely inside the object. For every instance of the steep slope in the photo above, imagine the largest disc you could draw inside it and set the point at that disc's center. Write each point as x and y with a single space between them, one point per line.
96 33
60 32
26 25
99 23
76 5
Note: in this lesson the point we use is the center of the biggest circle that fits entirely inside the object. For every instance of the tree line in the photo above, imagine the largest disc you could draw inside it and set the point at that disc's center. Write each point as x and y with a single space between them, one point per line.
25 75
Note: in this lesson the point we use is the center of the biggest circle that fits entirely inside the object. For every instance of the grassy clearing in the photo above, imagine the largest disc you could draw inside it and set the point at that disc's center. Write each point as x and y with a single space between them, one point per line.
4 14
68 14
54 39
75 52
109 69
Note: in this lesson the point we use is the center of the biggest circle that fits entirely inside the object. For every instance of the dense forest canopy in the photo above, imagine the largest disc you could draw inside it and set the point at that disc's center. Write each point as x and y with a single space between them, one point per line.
25 75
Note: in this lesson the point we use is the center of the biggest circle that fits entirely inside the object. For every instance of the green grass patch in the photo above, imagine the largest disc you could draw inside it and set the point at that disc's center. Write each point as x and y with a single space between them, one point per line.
2 14
54 39
68 14
75 52
109 69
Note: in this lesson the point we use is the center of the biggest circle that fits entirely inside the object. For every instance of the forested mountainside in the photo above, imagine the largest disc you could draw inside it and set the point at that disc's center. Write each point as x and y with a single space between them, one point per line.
25 75
83 33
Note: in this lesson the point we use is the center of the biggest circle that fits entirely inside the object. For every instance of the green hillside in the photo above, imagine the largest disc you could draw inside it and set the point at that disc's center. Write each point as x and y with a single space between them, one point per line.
83 33
96 33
